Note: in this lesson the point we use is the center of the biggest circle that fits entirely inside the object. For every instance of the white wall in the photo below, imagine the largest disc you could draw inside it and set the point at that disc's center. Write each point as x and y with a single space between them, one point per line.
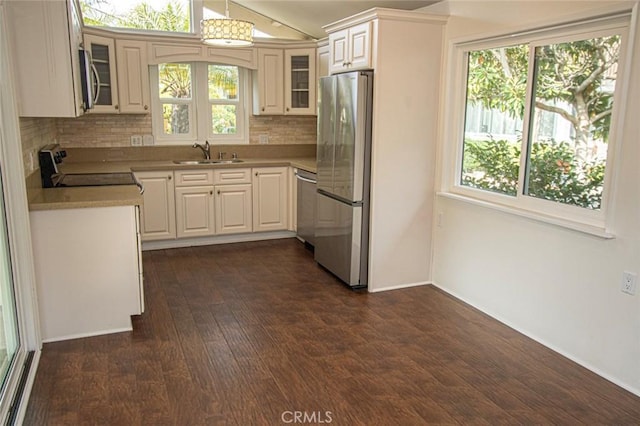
403 152
559 286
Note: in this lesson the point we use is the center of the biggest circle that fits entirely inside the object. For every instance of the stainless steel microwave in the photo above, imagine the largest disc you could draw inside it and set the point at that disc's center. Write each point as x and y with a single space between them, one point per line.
90 80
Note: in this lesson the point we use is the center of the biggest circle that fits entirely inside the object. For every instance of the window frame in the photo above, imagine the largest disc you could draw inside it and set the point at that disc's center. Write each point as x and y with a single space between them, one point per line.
200 129
579 218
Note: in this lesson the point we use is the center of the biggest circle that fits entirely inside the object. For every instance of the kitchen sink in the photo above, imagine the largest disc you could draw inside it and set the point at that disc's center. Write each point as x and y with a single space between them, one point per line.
197 162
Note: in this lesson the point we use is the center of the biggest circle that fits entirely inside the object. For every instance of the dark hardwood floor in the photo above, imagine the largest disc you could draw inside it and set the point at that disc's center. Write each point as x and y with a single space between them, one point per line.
248 334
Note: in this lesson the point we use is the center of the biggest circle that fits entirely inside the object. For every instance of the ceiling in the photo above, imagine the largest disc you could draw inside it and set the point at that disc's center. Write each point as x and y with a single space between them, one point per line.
305 17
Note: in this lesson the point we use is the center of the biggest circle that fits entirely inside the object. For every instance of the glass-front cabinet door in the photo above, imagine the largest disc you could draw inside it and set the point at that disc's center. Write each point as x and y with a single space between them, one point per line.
300 81
102 51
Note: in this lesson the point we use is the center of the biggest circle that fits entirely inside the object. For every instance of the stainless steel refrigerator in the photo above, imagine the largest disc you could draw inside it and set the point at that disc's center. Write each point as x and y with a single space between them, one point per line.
344 157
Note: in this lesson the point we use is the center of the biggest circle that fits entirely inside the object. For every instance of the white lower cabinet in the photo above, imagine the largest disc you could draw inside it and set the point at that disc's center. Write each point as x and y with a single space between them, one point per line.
158 214
88 270
203 202
233 208
195 211
270 199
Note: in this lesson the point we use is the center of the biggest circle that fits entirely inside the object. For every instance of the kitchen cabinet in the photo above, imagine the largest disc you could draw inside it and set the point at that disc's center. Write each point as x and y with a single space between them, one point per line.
322 60
300 81
268 90
157 216
350 48
88 270
270 199
44 39
285 82
194 203
233 201
103 56
132 76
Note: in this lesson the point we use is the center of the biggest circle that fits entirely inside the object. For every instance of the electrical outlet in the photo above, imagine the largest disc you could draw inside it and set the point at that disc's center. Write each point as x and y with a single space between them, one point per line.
440 214
147 140
263 139
629 282
136 140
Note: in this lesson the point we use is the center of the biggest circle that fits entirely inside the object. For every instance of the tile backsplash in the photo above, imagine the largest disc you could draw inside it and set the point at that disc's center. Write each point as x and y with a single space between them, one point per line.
105 130
115 130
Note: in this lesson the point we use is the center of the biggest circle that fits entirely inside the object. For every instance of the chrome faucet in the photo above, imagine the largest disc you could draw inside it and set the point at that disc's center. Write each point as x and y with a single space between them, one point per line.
206 149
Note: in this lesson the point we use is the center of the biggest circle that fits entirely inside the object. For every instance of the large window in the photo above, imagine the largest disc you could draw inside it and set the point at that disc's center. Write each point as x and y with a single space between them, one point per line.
199 101
539 116
155 15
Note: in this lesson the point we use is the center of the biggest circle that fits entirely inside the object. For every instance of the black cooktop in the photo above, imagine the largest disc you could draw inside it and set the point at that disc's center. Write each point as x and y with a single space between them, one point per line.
96 179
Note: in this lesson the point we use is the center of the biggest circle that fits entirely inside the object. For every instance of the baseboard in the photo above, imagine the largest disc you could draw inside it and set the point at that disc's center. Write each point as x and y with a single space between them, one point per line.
543 342
399 286
215 239
91 334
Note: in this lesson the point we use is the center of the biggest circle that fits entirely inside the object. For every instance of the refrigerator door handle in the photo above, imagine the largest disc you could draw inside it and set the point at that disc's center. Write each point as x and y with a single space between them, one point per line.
338 198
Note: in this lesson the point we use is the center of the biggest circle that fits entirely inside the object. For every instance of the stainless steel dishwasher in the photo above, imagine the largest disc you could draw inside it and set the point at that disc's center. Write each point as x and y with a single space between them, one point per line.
306 206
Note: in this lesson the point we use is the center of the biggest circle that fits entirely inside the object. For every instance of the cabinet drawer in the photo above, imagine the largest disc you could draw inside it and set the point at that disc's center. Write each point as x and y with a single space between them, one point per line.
194 177
224 176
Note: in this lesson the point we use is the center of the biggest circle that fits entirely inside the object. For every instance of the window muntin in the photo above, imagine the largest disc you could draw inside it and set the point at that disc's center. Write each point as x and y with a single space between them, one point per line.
530 165
199 101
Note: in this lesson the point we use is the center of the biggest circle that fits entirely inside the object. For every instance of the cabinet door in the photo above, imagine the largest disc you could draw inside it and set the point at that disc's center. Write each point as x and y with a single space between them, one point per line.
300 81
133 76
270 199
194 211
233 208
158 214
322 61
103 56
269 93
360 46
338 51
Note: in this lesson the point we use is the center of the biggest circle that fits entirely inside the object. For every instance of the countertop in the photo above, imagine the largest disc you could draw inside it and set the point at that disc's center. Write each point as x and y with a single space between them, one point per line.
122 195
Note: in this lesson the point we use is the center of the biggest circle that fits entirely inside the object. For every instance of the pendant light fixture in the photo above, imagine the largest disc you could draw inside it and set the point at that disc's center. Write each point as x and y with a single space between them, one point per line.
227 31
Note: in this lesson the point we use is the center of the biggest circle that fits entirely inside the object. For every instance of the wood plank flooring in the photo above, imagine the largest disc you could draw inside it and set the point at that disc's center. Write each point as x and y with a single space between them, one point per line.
249 334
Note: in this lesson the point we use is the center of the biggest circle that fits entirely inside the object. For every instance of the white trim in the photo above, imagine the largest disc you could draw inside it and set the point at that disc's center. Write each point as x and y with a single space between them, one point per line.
199 108
18 228
400 286
91 334
595 222
216 239
557 221
541 341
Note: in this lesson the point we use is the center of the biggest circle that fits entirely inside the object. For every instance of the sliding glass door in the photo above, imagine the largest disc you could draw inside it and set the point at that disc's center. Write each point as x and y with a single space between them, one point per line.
9 340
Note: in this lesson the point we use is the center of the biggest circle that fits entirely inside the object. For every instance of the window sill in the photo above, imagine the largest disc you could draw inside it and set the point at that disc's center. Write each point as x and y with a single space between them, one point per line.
563 223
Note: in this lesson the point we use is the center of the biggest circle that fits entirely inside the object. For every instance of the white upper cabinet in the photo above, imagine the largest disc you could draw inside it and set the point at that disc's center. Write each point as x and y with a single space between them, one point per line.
103 56
284 82
133 76
322 61
123 71
268 89
300 81
45 38
350 48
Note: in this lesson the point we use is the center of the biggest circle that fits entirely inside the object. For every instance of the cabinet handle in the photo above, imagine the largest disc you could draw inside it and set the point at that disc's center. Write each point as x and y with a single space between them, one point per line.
169 177
262 108
218 192
287 109
146 107
256 173
211 192
115 106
